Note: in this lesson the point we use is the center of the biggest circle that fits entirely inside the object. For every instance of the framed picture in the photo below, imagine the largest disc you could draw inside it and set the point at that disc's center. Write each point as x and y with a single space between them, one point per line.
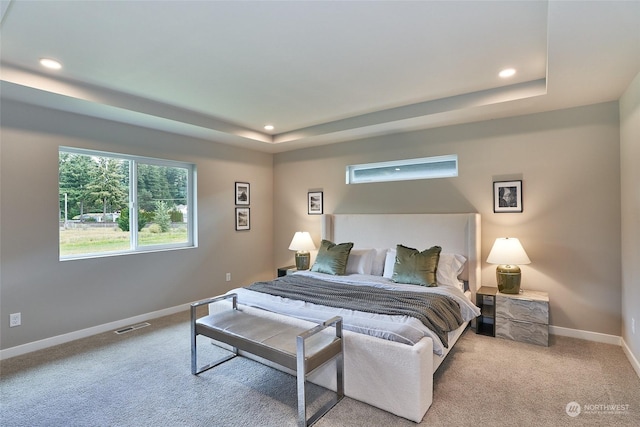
507 196
242 193
243 219
314 203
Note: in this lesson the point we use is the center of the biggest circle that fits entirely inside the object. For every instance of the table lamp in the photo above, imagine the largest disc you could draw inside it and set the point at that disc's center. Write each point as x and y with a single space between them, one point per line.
302 244
508 253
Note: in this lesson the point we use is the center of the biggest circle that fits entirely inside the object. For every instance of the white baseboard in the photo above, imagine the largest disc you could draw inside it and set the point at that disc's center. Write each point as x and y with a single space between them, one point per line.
598 337
586 335
83 333
632 359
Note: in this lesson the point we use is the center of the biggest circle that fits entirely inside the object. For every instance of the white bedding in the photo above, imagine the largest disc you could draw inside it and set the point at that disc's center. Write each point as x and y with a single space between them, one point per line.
402 329
392 376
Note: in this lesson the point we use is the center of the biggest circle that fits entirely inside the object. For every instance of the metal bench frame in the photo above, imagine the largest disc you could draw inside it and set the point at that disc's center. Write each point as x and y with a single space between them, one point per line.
301 362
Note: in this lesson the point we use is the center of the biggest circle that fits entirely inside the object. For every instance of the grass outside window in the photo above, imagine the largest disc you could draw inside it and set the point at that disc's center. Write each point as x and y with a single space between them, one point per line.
85 240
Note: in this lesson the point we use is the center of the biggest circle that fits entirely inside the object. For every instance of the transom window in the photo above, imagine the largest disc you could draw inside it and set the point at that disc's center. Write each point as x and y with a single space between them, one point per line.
402 170
113 203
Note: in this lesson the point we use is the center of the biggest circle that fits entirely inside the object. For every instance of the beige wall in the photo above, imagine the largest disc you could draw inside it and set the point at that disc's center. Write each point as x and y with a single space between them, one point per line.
568 160
630 155
56 297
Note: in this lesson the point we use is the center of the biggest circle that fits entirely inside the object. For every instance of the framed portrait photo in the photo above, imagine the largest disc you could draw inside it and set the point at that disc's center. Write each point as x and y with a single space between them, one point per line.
314 203
242 193
507 196
243 219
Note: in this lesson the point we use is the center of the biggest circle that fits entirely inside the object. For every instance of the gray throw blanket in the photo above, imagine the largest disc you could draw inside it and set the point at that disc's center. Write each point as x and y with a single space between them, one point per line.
439 313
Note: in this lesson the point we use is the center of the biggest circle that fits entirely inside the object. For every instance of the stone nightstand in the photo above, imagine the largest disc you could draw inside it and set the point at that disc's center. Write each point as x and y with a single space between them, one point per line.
523 317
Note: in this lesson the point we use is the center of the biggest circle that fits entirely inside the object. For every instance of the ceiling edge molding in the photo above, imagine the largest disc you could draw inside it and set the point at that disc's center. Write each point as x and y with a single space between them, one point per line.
47 91
43 90
359 124
4 9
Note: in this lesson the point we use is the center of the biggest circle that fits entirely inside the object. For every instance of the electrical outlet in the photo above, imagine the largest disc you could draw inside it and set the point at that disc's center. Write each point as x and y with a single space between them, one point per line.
633 325
228 278
15 319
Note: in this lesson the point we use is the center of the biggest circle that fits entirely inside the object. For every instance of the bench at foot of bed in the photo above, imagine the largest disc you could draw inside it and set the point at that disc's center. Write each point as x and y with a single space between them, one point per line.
299 349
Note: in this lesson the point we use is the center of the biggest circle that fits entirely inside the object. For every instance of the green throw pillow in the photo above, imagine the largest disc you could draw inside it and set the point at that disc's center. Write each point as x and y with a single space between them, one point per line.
332 258
416 268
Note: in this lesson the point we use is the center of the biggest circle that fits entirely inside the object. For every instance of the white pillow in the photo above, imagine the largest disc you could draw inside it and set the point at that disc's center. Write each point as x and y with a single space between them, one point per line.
389 262
360 261
377 267
449 268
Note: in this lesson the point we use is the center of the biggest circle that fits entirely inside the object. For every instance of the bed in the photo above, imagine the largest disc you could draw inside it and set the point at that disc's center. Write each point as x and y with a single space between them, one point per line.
395 375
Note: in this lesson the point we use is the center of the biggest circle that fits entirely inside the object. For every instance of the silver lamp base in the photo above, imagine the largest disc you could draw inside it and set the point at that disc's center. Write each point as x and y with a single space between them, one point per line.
508 278
302 260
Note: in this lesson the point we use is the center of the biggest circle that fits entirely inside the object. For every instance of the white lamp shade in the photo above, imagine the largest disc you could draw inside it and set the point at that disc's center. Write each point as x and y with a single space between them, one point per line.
302 242
508 251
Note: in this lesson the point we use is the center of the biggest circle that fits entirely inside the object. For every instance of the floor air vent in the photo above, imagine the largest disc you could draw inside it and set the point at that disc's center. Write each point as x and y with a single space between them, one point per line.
132 328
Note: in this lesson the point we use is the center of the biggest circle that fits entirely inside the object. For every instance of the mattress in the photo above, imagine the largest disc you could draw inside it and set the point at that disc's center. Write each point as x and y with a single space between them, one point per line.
402 329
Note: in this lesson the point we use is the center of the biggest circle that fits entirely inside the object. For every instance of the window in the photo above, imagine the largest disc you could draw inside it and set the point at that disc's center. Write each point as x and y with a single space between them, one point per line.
401 170
113 204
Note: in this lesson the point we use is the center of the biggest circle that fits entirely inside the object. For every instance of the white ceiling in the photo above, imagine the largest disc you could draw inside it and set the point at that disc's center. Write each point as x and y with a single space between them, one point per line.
320 71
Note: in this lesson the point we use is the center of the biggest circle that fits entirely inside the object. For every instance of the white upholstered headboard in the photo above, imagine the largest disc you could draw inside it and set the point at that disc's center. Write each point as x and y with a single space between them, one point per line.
455 233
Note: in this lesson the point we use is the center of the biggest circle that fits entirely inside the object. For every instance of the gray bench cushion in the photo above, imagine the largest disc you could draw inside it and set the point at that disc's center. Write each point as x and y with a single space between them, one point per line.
267 338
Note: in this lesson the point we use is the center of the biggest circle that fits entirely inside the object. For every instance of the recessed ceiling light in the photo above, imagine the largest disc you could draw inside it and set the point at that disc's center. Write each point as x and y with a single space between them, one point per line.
268 127
50 63
507 72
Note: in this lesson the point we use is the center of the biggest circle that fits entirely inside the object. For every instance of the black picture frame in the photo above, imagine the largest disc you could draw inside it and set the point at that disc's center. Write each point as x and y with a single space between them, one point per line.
315 203
507 196
243 219
242 193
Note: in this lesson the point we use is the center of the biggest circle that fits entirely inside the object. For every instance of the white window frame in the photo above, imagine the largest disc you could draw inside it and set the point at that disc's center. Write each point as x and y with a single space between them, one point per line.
133 197
397 173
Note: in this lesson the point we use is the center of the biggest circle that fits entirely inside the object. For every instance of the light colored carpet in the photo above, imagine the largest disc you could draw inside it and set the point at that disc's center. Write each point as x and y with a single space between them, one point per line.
143 378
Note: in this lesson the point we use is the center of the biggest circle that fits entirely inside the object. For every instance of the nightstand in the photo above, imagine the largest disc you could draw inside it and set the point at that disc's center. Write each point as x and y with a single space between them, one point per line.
283 271
523 317
486 301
